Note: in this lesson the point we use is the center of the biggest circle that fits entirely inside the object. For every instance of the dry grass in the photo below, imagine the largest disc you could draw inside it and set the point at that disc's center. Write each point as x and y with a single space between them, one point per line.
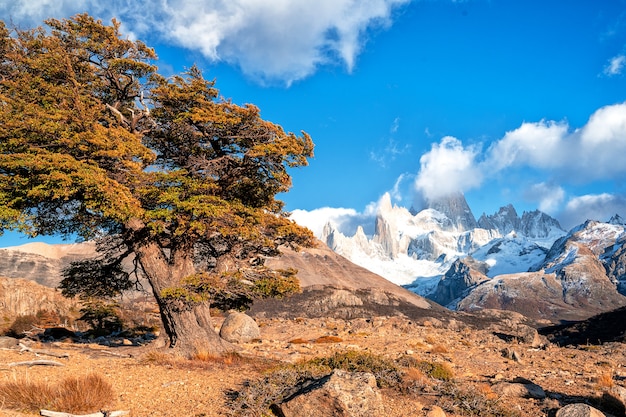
157 357
439 349
73 395
229 358
605 380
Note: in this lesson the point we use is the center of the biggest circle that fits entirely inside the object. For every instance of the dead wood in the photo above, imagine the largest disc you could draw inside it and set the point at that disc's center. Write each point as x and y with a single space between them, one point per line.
24 348
37 362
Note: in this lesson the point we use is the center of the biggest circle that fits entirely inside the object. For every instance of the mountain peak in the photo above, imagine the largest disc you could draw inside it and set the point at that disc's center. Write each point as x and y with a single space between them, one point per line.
455 207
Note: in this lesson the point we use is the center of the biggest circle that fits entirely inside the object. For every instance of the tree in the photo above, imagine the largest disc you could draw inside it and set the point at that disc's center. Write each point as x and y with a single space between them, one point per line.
161 172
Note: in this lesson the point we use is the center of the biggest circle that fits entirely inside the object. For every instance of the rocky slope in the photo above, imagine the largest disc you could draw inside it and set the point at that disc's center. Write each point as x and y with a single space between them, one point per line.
579 277
41 262
332 285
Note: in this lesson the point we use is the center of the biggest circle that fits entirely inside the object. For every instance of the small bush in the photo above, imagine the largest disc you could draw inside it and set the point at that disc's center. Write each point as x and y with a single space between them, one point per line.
72 395
385 370
605 380
229 358
22 325
472 403
104 318
436 370
256 397
439 349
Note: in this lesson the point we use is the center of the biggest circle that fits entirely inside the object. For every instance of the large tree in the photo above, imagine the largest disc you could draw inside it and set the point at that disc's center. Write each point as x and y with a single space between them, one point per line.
161 171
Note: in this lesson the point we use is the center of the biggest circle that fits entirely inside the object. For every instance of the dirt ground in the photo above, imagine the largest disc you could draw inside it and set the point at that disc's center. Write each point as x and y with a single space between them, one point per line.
150 386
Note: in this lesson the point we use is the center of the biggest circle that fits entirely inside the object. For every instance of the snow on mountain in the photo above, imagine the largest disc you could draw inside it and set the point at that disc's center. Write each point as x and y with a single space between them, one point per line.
583 273
510 254
417 249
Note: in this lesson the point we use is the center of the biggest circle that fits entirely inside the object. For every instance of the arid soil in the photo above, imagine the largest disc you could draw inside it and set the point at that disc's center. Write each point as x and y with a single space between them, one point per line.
148 384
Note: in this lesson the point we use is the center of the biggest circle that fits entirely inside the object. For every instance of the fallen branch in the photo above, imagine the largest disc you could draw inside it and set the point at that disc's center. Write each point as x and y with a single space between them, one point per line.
49 413
39 362
25 348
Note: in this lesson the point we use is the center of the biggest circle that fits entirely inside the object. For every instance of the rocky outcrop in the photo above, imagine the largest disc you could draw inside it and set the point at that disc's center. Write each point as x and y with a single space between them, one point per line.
532 224
505 220
519 387
20 297
324 275
536 224
456 283
349 394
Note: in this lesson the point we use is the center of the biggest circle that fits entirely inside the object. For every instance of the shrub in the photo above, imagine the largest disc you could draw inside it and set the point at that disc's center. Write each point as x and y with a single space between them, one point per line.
104 318
386 371
22 325
72 395
436 370
472 403
256 397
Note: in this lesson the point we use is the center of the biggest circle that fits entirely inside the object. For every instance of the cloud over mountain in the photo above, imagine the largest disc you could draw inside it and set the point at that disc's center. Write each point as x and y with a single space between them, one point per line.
280 40
551 150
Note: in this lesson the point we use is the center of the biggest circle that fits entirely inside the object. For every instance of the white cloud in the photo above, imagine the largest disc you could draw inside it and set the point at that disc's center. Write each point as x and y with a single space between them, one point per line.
550 149
549 197
448 167
345 220
395 125
593 152
615 65
599 207
284 40
536 144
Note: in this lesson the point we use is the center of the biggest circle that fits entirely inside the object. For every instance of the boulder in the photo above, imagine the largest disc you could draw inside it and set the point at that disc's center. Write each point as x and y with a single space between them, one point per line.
521 388
579 410
239 328
7 342
342 393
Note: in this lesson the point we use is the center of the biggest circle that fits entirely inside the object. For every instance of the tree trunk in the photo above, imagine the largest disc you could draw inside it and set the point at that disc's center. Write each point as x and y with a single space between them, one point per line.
187 325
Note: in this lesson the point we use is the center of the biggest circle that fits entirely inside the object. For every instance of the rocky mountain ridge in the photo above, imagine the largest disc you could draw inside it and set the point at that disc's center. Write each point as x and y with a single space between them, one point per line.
523 263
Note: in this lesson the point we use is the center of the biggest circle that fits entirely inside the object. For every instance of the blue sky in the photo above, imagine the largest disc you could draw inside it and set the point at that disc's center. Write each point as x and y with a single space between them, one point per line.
519 102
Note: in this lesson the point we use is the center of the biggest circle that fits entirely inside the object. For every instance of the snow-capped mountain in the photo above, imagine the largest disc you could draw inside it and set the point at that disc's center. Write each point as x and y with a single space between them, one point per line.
581 275
525 263
417 249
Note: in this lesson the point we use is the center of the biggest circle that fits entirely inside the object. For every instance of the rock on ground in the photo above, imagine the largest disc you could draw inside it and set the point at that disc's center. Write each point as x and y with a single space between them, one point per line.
346 394
579 410
239 328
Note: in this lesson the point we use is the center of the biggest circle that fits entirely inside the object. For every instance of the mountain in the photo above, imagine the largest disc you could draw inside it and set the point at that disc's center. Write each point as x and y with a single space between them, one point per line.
455 208
581 275
526 263
41 262
416 249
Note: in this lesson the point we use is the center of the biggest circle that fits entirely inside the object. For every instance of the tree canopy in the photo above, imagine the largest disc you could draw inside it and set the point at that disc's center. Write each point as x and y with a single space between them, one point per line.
161 171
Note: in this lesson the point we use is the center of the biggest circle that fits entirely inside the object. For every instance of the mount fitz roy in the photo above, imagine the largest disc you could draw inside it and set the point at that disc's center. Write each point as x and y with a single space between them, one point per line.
527 264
